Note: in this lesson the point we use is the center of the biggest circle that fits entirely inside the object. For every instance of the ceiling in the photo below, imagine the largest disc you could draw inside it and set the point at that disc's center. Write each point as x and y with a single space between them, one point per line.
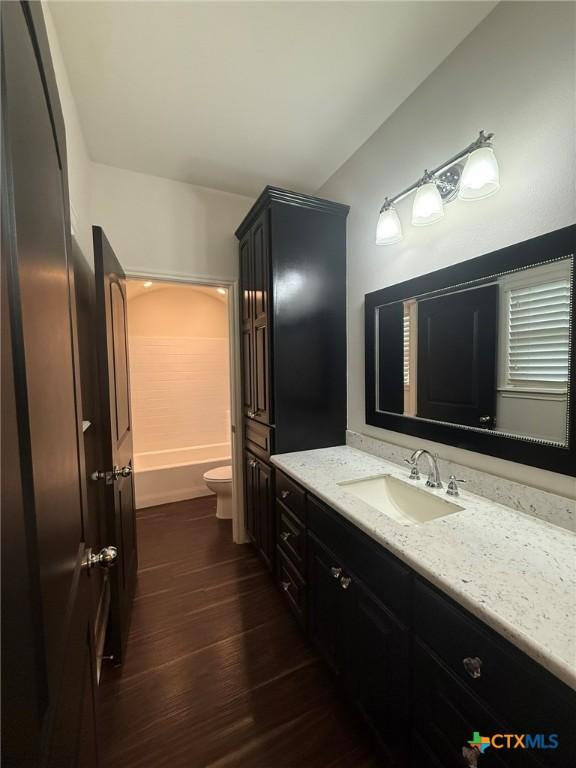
235 95
137 287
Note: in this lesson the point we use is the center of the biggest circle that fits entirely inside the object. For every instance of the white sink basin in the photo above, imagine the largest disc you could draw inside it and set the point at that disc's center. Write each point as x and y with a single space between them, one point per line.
405 503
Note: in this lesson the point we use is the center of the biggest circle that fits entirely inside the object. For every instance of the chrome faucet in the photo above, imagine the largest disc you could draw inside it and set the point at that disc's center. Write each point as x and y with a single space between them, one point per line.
434 473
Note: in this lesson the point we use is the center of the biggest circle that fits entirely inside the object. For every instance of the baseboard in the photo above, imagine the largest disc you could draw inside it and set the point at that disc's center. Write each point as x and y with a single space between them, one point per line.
144 500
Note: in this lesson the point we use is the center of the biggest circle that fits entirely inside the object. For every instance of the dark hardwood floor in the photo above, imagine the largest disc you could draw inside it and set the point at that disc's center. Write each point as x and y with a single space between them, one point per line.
217 672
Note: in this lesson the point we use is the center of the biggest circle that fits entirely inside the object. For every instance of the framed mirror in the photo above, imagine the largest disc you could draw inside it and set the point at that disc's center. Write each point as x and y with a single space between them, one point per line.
481 355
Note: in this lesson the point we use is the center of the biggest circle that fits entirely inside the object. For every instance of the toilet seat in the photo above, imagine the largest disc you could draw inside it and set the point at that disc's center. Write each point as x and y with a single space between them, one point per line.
219 474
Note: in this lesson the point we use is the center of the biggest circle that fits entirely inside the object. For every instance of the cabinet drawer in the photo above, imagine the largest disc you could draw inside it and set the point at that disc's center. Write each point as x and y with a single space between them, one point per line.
380 571
258 438
291 495
291 537
522 695
293 587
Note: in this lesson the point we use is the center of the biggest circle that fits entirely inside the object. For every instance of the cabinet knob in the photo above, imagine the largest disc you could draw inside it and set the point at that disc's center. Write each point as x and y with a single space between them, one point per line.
284 494
345 582
335 572
285 585
470 756
285 535
473 666
251 414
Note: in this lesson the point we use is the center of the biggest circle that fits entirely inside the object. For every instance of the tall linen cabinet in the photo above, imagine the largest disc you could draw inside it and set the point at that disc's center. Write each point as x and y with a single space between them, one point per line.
293 325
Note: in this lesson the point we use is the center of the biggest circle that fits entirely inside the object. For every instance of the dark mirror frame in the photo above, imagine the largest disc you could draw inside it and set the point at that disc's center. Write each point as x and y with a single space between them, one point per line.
525 450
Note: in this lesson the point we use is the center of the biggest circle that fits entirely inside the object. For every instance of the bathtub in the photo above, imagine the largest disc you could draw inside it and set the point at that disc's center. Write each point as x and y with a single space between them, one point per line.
174 475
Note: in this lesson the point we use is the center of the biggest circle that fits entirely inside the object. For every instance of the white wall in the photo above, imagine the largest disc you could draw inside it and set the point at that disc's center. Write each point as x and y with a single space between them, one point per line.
513 75
162 227
155 225
78 160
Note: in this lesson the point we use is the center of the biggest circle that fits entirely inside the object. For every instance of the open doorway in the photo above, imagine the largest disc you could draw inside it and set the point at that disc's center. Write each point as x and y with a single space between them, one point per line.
182 382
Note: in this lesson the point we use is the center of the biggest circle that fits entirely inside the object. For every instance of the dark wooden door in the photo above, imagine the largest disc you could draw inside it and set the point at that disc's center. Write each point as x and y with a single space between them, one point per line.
457 348
262 410
247 323
116 429
325 603
48 659
378 671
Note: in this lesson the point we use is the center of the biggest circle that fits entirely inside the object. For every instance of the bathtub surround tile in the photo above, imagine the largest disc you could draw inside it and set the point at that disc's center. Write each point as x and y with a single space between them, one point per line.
546 506
513 571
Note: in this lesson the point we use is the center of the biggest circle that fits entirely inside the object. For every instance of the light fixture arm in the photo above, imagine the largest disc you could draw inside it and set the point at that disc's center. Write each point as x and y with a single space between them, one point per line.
483 140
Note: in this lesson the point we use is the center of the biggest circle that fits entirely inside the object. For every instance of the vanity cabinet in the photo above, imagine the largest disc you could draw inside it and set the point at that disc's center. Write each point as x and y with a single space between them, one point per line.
423 672
258 478
292 251
365 644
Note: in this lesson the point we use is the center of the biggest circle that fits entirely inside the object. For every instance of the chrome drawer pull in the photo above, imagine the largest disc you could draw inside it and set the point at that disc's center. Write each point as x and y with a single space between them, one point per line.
285 585
345 582
284 494
473 666
285 535
335 572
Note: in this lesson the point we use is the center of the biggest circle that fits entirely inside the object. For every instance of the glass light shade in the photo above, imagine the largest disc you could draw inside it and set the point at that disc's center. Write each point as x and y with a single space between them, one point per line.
428 206
389 228
481 175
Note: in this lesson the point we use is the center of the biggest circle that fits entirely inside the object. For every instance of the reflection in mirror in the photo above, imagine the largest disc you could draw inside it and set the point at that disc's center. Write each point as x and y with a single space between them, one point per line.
494 355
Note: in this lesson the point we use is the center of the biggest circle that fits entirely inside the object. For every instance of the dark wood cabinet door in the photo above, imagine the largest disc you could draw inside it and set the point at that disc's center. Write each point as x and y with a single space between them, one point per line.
378 672
265 512
446 716
457 337
247 323
249 495
261 320
325 600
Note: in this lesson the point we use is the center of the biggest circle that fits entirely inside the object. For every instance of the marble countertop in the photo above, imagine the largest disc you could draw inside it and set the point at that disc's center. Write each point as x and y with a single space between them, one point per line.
514 572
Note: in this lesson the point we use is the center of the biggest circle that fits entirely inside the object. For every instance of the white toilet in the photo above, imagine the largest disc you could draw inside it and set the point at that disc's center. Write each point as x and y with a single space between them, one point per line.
219 480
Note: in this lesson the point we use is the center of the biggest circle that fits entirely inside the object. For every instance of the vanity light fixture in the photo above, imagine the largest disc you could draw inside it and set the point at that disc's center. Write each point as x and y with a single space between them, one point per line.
472 174
389 228
428 206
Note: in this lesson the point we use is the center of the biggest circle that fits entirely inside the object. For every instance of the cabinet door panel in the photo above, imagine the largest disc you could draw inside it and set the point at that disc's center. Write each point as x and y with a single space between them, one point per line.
378 668
248 370
265 514
446 716
261 374
247 323
261 267
249 495
326 618
261 319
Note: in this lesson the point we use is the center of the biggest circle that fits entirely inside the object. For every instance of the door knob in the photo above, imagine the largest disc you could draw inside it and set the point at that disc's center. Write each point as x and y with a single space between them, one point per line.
109 477
105 558
122 472
335 572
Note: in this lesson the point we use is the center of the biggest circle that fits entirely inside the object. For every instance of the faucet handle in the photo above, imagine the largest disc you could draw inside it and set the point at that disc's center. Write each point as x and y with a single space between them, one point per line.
414 473
452 489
